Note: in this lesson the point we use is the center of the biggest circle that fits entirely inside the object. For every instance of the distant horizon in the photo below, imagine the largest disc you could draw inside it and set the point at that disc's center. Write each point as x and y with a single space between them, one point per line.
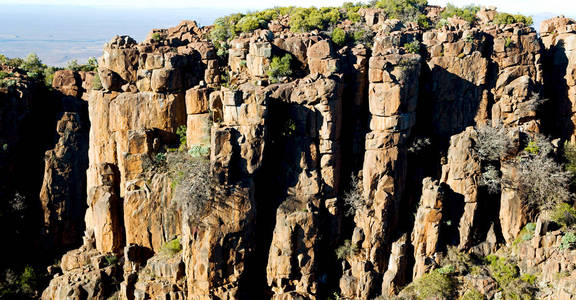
82 28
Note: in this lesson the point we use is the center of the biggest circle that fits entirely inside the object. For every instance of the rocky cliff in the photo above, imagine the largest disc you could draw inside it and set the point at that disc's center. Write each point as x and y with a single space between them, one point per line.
398 165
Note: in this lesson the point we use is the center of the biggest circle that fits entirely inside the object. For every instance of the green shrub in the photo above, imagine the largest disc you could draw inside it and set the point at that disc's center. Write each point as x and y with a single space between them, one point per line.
33 66
526 234
467 13
280 67
446 270
412 47
568 240
456 261
406 10
441 23
248 24
172 247
508 43
472 294
110 260
564 214
181 132
97 82
91 65
505 18
502 270
346 250
423 21
160 157
156 36
308 19
361 35
339 37
49 75
29 280
4 75
6 83
529 278
433 285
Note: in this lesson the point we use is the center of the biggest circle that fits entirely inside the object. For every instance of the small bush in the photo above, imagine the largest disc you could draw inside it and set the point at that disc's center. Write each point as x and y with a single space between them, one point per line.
505 18
412 47
6 83
508 43
441 23
472 294
29 280
49 75
172 247
308 19
568 240
493 143
526 234
529 278
354 198
457 261
91 65
564 214
110 260
160 157
339 37
4 75
97 82
248 24
405 10
502 270
359 34
467 13
423 21
181 132
543 183
433 285
192 182
446 270
280 67
156 36
346 250
491 179
33 66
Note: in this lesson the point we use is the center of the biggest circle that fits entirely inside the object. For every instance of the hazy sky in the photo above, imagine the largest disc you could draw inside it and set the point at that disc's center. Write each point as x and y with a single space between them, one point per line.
524 6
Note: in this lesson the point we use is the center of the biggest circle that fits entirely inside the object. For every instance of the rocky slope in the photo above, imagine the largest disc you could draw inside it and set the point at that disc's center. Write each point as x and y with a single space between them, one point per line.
356 174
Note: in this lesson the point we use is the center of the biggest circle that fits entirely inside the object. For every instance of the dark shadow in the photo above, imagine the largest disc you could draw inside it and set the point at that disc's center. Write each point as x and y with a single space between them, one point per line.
556 113
452 211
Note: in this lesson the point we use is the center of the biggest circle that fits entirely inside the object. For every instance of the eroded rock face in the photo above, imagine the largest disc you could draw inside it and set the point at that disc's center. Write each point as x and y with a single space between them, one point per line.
517 91
560 62
279 154
63 190
462 173
426 234
392 98
458 74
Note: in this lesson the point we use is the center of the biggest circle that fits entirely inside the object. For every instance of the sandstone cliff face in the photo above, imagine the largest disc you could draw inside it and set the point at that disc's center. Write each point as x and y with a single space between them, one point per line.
280 155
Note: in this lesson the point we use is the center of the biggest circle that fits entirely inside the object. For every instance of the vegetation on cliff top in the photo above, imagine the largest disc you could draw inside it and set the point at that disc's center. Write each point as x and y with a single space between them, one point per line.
35 69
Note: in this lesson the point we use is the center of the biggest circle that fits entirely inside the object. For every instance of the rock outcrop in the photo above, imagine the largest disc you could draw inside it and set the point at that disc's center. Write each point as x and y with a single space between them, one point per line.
270 213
